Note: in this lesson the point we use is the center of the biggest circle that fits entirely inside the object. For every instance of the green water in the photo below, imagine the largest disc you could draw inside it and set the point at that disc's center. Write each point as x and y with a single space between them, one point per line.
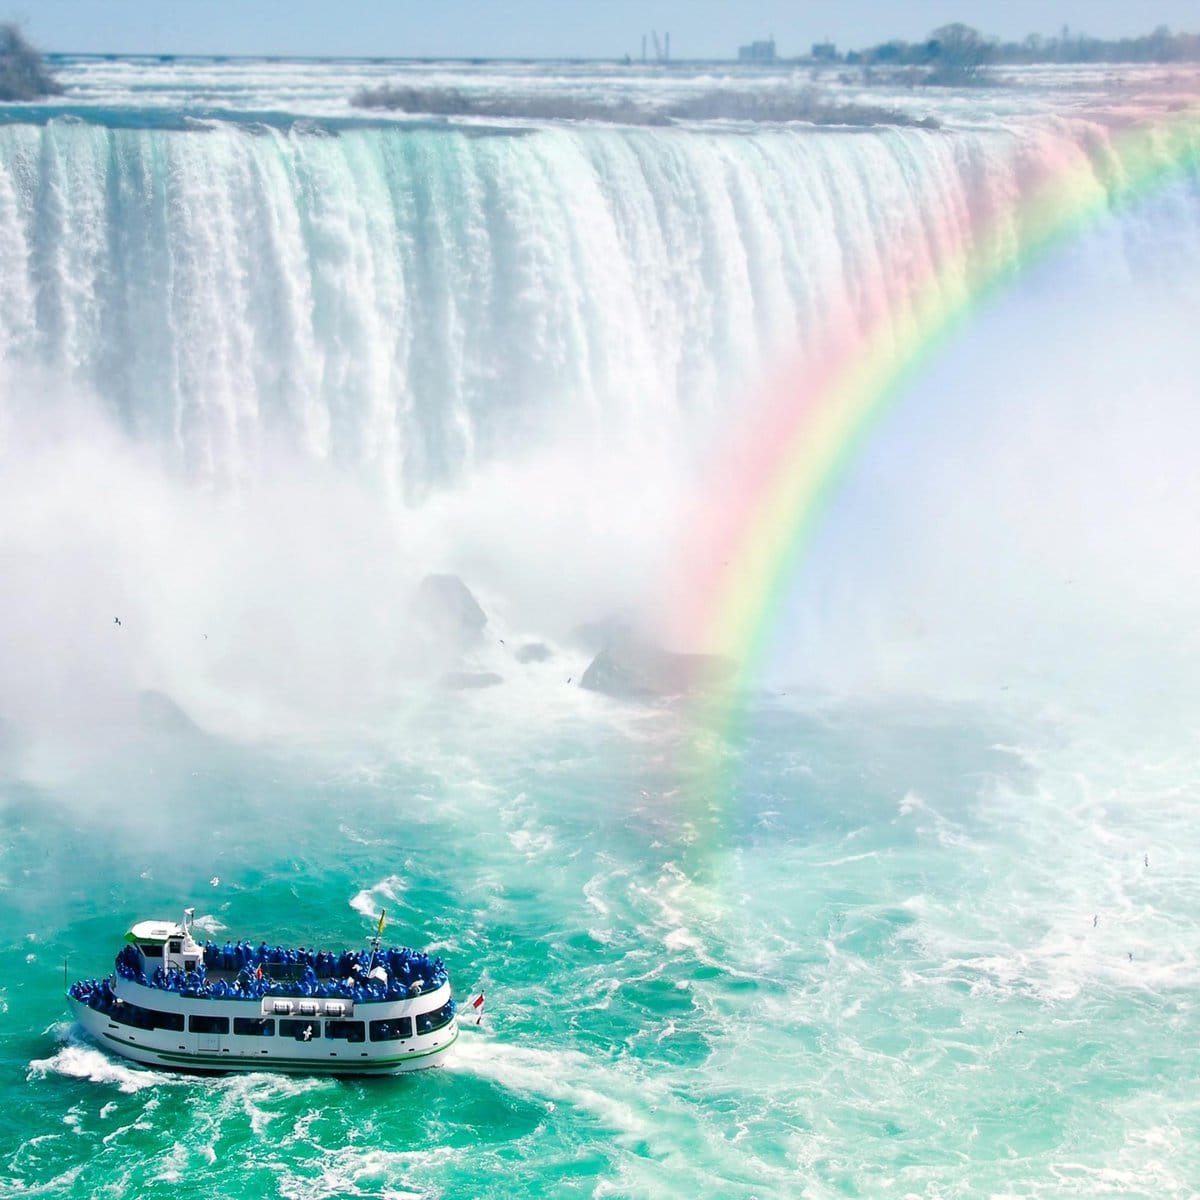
874 971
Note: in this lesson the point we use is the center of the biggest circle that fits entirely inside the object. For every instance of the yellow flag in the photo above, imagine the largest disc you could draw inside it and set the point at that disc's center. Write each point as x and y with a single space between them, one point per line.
382 915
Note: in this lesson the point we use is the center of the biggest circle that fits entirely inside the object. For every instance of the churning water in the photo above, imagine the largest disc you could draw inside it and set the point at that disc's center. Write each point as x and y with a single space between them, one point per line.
928 928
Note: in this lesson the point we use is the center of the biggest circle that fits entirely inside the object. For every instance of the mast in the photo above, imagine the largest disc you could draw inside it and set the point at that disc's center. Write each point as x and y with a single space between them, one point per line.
375 940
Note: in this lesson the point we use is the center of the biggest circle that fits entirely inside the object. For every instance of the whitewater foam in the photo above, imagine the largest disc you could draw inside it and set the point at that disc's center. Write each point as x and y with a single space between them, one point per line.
80 1060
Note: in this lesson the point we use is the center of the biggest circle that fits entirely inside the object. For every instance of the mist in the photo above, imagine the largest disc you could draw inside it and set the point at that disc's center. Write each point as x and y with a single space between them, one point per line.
285 606
1019 527
521 360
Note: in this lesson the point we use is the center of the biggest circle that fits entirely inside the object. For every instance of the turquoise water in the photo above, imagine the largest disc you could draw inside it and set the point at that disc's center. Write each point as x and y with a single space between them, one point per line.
874 972
923 925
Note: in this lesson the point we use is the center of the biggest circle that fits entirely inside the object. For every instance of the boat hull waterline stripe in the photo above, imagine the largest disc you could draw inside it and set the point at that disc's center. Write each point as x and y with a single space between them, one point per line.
227 1062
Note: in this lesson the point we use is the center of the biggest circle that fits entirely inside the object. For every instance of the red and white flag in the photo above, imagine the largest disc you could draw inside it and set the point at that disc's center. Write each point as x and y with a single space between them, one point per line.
477 1005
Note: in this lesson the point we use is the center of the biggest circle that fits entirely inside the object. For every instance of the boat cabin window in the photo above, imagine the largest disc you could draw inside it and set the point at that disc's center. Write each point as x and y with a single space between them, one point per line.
254 1026
391 1031
153 950
428 1022
352 1031
145 1018
201 1024
176 947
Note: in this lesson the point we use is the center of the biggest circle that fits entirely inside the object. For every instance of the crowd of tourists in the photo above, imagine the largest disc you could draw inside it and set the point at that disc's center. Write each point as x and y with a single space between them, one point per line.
240 971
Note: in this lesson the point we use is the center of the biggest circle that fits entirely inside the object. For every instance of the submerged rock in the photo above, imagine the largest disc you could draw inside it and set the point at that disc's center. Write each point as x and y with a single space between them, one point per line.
636 669
460 681
445 606
533 652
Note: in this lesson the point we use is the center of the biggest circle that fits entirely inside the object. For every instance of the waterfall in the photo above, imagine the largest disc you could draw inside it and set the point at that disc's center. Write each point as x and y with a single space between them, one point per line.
411 305
257 379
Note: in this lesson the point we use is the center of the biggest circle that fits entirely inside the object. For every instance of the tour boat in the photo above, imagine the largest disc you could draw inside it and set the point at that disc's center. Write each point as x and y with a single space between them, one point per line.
172 1002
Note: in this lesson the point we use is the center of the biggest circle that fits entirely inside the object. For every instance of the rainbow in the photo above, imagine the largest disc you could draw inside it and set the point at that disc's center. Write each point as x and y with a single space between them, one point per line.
779 479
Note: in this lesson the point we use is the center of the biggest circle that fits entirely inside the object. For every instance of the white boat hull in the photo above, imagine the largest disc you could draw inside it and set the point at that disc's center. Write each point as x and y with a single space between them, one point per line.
185 1050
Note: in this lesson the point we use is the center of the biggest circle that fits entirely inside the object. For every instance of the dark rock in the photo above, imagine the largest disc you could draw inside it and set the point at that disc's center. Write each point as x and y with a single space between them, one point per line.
607 631
635 669
445 606
23 75
533 652
460 681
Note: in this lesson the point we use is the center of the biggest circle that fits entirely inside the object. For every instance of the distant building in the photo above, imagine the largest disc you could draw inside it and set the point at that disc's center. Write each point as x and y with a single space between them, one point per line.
824 52
758 52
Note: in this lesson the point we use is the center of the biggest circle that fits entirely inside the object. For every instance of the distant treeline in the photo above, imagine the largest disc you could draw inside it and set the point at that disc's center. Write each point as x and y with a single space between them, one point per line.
957 53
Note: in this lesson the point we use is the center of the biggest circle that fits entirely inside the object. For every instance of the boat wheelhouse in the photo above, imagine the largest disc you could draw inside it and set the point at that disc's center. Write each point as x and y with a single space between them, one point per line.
176 1003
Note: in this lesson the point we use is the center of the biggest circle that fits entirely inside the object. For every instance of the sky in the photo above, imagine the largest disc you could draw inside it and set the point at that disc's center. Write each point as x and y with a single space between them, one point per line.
553 28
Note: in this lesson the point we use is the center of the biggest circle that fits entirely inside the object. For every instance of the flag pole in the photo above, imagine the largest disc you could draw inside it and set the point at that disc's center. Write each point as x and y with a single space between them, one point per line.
375 940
